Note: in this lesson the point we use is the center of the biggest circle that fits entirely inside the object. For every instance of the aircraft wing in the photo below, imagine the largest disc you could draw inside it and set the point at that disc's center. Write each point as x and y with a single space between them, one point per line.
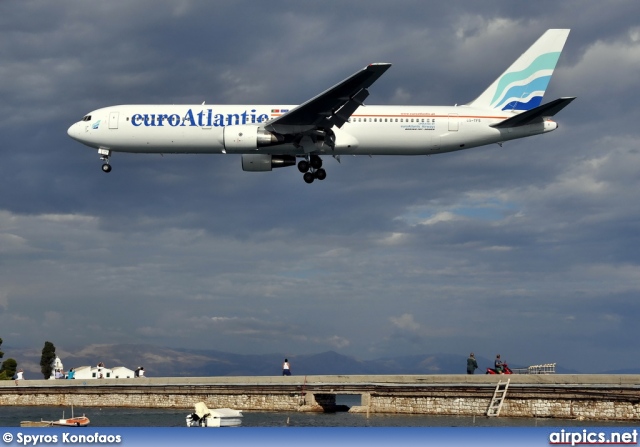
536 114
332 107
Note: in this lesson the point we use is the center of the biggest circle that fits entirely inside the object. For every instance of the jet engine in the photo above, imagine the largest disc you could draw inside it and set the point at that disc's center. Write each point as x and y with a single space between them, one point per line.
266 162
247 137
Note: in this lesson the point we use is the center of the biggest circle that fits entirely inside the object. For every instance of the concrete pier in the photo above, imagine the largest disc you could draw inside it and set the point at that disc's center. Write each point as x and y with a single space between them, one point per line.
598 397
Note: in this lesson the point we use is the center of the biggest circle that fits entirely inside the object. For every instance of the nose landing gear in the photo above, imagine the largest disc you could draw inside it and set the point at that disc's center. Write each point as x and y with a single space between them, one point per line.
104 156
312 169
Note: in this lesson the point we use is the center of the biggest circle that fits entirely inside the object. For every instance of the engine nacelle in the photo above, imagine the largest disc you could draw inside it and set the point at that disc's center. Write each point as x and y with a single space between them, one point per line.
246 138
266 162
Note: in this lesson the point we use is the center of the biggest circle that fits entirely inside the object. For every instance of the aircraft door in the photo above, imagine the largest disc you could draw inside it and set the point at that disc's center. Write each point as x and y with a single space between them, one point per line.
453 122
113 120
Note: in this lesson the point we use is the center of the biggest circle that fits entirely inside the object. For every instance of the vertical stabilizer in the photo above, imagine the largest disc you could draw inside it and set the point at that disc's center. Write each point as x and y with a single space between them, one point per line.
522 86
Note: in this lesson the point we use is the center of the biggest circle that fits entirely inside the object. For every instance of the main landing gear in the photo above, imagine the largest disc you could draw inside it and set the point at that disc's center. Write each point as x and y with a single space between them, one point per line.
104 156
312 169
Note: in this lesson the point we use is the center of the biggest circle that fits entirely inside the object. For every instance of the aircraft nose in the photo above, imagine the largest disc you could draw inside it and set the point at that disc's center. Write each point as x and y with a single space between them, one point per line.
73 131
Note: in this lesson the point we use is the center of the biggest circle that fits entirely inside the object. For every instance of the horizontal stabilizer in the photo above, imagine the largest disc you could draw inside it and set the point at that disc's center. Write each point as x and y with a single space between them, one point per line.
536 114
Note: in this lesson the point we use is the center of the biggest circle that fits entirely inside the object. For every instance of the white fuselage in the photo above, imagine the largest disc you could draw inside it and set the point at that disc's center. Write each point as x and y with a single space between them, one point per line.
371 130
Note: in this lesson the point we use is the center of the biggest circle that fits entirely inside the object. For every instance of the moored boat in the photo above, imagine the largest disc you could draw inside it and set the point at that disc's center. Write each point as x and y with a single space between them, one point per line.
217 417
80 421
36 423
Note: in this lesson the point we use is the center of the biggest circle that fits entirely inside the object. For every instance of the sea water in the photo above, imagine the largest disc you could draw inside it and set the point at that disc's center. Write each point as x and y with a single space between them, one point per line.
161 417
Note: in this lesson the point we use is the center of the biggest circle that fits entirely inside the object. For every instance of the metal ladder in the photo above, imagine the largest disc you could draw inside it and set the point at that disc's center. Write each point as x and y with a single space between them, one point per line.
498 398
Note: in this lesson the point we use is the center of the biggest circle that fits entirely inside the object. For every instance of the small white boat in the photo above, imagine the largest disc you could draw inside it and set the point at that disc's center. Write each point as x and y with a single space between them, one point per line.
217 417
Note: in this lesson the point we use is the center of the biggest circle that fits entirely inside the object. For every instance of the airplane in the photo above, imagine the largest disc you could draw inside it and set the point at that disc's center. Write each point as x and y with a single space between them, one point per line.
336 122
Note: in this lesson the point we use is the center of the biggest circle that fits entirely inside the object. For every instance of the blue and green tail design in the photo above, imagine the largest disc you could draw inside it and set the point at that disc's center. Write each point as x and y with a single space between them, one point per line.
523 90
522 86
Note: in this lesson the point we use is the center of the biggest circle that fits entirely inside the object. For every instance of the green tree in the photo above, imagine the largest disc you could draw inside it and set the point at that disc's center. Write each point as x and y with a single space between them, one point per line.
8 369
46 361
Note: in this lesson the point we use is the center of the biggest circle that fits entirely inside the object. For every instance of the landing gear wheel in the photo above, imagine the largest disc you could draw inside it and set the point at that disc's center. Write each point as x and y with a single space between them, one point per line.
309 177
303 166
321 174
316 162
106 167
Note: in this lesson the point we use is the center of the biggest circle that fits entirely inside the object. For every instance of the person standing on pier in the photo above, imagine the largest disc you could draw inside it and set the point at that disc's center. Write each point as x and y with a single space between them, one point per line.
286 369
472 365
498 365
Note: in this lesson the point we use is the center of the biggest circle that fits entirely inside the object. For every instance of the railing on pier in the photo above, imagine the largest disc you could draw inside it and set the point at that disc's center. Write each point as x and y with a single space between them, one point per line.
547 368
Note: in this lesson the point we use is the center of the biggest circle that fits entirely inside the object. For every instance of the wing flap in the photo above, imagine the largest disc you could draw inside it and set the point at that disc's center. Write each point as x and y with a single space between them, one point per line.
343 114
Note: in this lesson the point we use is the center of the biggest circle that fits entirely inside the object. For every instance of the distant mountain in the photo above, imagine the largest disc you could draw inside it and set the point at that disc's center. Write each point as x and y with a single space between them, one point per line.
171 362
426 364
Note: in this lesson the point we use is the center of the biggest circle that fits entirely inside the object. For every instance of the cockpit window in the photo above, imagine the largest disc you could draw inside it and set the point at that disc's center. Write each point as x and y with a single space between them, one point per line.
87 118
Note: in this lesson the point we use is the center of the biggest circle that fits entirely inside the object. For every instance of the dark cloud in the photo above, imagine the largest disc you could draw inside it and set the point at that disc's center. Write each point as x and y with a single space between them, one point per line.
527 250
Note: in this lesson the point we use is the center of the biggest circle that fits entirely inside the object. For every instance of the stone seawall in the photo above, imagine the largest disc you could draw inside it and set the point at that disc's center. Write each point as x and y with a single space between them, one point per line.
561 407
600 397
267 402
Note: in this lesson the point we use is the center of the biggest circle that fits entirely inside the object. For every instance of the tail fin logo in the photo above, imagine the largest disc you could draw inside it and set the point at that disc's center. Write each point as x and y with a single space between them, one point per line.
523 90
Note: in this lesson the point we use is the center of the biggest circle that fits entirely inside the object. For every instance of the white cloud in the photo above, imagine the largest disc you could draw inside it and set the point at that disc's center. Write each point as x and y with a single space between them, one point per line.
406 322
525 237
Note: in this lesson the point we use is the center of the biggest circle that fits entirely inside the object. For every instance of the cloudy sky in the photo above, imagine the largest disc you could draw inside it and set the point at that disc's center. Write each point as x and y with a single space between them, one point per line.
530 250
